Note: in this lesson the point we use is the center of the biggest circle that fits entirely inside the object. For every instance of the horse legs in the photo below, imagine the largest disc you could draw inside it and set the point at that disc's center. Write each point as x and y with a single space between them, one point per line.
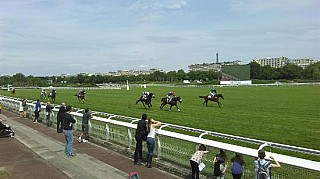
162 105
178 108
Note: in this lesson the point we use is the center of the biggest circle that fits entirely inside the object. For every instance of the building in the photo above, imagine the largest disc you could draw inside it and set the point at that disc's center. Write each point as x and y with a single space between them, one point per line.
303 63
273 62
205 67
282 61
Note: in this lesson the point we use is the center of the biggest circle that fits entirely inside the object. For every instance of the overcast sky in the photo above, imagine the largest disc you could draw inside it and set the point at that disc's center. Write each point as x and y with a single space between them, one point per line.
52 37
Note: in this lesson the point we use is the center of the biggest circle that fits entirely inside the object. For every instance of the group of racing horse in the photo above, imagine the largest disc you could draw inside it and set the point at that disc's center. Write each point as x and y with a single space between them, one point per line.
146 100
52 95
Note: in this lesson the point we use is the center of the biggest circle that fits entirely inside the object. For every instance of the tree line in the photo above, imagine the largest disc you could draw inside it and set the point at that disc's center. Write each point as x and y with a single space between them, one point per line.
257 72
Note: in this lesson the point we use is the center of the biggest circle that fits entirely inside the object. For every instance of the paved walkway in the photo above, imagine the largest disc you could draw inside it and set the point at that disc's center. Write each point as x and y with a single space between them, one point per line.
37 151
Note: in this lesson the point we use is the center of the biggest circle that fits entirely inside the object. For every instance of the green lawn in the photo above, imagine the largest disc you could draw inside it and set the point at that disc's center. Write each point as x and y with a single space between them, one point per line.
285 114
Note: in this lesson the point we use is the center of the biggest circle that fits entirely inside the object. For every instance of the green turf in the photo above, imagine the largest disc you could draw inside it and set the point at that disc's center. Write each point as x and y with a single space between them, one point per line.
284 114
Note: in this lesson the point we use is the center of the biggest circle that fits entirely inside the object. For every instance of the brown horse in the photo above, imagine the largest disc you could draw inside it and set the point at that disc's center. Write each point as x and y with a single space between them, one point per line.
146 101
174 102
81 98
214 99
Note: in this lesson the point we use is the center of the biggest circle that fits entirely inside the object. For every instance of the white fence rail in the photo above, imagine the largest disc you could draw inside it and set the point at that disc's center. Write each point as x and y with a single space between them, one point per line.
129 123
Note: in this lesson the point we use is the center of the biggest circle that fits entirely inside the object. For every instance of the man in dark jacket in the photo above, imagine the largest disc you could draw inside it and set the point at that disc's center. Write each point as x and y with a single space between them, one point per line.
67 124
141 135
61 111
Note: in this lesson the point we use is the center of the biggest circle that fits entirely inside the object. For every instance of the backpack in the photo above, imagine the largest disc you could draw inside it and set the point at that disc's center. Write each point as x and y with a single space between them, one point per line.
133 175
236 168
262 171
218 166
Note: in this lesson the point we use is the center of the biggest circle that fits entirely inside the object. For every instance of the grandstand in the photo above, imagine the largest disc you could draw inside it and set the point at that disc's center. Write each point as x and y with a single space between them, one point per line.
235 72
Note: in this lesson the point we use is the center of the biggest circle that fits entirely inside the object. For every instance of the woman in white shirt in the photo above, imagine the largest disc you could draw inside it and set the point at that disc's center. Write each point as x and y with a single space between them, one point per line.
151 126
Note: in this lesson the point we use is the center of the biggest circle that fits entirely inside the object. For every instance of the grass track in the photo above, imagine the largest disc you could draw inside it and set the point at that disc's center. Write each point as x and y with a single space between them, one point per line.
284 114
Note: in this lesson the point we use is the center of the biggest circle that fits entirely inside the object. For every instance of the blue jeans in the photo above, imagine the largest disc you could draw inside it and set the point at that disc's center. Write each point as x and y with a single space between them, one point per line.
150 145
69 141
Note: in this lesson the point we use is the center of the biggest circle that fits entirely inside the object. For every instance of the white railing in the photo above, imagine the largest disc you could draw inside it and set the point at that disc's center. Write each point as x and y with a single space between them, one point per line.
109 119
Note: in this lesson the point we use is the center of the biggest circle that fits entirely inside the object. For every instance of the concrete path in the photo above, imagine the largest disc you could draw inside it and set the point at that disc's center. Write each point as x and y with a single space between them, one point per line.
37 151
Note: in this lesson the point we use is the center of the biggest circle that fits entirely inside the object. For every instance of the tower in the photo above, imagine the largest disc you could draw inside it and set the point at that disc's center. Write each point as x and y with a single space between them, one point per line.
217 57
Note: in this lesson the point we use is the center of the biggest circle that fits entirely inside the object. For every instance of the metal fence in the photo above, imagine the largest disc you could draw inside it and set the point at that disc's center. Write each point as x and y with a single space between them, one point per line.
176 144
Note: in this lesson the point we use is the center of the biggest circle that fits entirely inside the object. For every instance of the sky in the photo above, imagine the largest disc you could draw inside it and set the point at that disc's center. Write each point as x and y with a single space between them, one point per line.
53 37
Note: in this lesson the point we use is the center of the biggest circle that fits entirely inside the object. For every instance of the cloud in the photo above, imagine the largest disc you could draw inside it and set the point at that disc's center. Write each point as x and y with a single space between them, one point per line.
158 39
259 6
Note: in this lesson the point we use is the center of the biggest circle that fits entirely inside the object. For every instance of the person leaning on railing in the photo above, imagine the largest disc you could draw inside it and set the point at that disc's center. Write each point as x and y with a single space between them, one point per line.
152 124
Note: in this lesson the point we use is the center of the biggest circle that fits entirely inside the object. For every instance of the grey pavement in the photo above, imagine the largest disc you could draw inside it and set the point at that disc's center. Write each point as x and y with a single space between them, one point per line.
91 160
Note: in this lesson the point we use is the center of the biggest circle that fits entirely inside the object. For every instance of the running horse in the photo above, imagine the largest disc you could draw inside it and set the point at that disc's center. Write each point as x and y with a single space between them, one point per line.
52 96
13 91
81 98
146 101
214 99
43 94
174 102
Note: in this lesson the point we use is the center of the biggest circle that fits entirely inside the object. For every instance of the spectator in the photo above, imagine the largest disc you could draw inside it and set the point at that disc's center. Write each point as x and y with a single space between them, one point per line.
67 124
152 124
61 111
25 107
196 159
85 126
263 166
48 113
219 165
37 109
237 163
5 130
141 135
21 109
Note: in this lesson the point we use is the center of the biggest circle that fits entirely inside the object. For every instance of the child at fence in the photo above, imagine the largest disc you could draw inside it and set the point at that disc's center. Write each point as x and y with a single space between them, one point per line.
262 166
196 159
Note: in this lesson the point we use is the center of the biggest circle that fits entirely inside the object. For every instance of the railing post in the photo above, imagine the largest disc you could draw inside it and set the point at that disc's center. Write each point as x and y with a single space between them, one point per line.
159 141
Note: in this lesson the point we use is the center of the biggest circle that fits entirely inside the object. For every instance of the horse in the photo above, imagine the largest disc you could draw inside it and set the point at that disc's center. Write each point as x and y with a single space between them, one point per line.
174 102
52 96
214 99
146 101
81 98
13 91
43 95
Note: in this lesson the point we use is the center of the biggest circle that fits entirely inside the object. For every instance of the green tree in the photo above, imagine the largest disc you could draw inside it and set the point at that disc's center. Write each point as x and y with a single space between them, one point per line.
255 70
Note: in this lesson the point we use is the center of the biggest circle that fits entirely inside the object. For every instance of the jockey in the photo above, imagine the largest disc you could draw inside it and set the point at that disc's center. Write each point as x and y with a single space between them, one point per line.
81 92
212 93
53 91
145 94
170 96
43 92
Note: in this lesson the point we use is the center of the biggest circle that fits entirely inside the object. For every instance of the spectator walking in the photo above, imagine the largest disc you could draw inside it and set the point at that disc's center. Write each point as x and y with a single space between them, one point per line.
141 135
152 124
237 164
263 166
48 113
25 107
21 109
61 111
67 124
37 109
196 159
220 165
85 126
